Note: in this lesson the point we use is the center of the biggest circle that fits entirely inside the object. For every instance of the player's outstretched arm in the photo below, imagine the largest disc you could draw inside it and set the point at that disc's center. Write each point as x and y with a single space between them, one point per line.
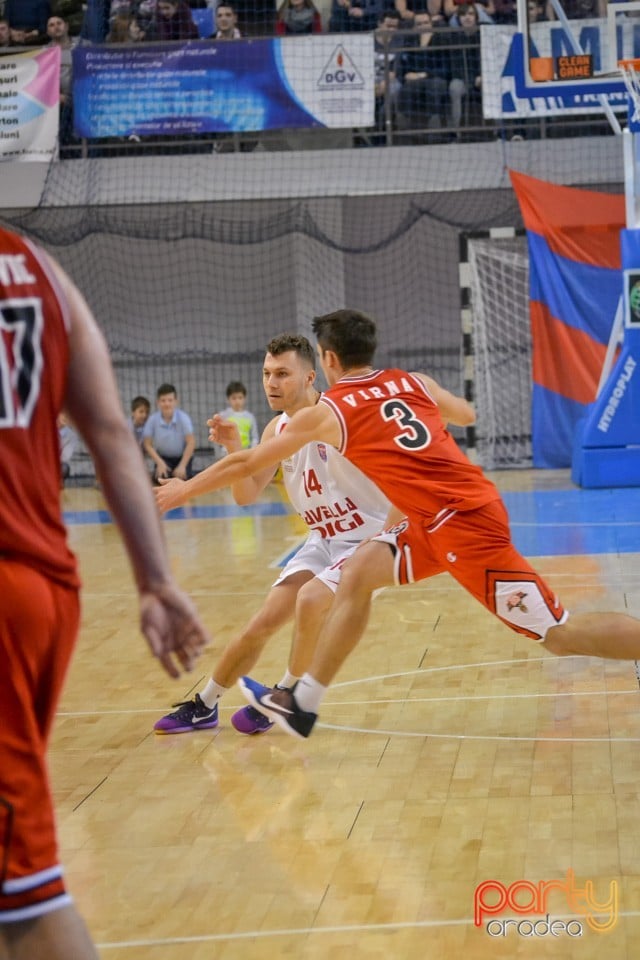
312 423
168 618
226 432
453 409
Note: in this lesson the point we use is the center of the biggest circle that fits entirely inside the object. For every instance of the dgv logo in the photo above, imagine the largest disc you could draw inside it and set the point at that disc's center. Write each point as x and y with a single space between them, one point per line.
340 71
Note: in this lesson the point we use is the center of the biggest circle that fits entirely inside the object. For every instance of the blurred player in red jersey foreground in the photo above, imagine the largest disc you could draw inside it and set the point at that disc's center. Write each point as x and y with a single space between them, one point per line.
52 356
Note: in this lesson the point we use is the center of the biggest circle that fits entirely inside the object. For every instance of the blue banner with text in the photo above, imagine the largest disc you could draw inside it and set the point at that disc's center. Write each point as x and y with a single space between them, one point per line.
226 86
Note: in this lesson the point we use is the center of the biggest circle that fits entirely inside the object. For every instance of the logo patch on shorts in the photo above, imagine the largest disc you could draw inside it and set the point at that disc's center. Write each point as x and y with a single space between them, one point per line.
516 602
398 528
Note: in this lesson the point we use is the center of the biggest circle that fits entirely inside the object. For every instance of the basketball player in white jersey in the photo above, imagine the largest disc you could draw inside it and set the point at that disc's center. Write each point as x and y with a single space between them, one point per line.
340 506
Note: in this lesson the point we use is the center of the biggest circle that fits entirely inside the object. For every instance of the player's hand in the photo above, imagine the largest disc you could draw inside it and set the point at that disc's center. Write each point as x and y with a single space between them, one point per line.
180 473
169 494
171 626
224 432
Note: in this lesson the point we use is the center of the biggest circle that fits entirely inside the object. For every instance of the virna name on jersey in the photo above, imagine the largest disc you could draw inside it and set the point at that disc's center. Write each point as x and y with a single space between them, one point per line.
389 389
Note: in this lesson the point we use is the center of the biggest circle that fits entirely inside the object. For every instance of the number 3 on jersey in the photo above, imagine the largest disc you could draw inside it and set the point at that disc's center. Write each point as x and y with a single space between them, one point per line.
20 360
415 434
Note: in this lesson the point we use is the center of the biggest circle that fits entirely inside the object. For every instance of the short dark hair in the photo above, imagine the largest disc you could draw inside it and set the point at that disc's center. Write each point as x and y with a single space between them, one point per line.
350 334
236 386
164 389
140 402
285 342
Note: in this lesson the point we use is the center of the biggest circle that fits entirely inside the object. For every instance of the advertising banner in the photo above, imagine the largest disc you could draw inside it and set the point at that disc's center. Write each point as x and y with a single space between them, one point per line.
225 86
29 94
500 62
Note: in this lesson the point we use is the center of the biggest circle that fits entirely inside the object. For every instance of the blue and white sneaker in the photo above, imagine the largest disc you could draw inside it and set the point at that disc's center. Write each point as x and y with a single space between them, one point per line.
279 704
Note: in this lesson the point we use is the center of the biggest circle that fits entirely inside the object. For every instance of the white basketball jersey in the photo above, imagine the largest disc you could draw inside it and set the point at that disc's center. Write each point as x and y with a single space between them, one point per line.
331 495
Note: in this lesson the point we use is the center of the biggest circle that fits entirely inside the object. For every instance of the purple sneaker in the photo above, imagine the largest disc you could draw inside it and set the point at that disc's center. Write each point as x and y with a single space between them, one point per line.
250 721
190 715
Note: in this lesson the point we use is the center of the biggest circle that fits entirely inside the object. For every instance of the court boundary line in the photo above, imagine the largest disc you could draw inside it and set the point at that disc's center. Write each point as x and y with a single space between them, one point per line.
324 931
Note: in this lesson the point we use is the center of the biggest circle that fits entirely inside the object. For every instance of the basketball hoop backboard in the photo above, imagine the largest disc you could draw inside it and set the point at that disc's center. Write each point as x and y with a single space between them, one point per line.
576 52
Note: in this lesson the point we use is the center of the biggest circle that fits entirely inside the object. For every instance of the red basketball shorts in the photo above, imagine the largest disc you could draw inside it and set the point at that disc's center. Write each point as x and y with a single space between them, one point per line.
475 547
38 628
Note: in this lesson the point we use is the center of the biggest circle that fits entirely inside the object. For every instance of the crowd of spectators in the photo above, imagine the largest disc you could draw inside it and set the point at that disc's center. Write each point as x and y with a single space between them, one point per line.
24 22
427 52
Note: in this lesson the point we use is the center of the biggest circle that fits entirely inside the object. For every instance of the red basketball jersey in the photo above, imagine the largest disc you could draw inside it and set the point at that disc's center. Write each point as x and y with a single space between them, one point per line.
392 430
34 354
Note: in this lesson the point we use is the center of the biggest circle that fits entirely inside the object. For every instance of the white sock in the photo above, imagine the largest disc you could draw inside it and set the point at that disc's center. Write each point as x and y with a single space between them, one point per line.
309 693
288 680
212 693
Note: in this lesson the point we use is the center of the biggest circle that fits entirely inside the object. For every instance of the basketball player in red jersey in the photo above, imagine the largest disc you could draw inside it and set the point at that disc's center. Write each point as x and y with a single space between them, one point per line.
391 424
52 356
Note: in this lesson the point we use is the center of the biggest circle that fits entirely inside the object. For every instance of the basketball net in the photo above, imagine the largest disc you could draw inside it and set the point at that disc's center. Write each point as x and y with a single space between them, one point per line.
630 70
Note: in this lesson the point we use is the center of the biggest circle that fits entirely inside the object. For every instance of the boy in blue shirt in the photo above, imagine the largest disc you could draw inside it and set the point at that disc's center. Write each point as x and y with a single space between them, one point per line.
168 437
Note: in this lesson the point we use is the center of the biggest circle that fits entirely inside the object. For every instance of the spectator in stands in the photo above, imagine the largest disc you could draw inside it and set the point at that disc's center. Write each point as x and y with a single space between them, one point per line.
72 12
95 25
245 421
462 46
68 445
174 21
132 21
142 28
438 10
119 28
345 16
350 16
5 33
388 42
297 17
505 11
578 9
145 9
485 10
122 8
535 11
28 19
422 70
168 437
140 410
58 33
226 23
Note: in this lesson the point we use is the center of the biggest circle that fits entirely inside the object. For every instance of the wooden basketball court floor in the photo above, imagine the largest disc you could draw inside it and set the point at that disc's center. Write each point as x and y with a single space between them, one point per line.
449 752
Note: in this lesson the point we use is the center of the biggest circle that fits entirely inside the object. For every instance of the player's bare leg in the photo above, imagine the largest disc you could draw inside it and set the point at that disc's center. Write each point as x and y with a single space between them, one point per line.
239 656
242 653
59 935
613 636
369 569
312 605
